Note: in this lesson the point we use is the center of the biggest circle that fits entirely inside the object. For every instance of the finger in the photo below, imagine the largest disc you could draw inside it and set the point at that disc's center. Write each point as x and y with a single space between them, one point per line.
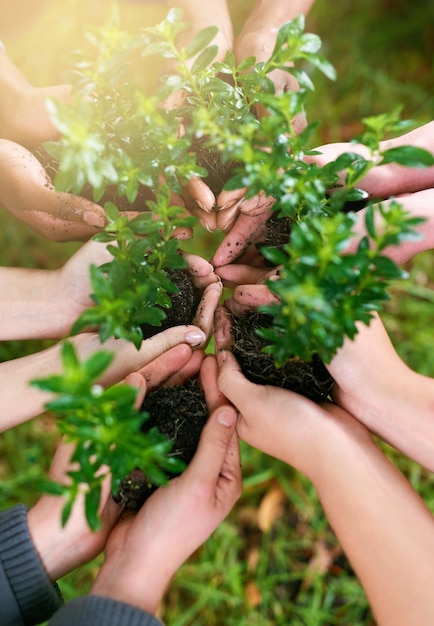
188 371
226 199
258 205
208 380
223 338
161 369
213 446
240 274
246 231
252 296
200 270
207 220
231 468
226 217
200 194
61 462
136 380
232 383
67 207
204 317
126 354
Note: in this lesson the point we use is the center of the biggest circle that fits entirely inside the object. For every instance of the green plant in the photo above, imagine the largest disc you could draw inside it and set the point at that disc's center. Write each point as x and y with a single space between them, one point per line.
104 425
116 134
120 135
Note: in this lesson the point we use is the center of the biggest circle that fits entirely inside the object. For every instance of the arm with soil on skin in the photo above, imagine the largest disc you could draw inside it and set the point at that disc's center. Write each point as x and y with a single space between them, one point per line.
20 402
380 521
28 194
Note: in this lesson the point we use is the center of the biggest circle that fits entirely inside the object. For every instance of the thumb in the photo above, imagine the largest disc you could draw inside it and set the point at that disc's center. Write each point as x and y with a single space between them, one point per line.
234 385
213 446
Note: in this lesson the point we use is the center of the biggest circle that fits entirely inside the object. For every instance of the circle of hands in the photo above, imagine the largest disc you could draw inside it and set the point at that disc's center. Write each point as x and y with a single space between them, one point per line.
165 528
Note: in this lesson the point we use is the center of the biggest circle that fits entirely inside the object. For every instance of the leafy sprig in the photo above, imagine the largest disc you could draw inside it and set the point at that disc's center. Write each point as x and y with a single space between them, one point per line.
324 291
104 426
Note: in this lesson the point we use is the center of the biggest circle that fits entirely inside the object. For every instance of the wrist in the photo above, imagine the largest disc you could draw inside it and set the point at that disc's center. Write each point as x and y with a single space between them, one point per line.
341 434
142 587
53 544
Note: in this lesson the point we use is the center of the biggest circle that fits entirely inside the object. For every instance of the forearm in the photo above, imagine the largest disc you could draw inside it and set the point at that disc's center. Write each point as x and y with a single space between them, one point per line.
399 407
384 528
31 306
143 589
20 402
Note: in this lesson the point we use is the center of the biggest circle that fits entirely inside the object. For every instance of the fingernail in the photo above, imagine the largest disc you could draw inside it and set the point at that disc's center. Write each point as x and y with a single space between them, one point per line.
221 357
224 206
203 206
195 337
226 418
94 219
206 226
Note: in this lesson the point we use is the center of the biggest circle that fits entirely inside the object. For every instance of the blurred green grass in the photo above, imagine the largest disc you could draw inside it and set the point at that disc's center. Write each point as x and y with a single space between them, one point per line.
291 570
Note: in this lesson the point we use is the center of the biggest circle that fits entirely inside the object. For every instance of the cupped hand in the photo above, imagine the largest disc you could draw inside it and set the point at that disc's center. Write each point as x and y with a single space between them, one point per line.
247 227
282 423
28 194
64 548
144 550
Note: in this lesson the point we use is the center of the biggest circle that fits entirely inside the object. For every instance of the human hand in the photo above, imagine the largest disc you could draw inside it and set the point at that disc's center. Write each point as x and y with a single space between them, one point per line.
23 114
28 194
282 423
64 548
337 453
259 43
144 550
245 220
391 179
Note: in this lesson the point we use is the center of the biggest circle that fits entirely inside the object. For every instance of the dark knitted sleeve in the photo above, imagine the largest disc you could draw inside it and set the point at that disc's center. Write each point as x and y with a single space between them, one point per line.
24 582
98 611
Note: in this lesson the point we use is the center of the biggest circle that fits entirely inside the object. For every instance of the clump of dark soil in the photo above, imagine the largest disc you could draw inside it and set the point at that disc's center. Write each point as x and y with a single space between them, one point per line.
311 380
219 172
180 413
184 303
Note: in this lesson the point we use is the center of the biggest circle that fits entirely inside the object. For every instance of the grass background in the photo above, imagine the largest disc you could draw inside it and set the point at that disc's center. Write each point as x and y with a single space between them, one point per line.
275 561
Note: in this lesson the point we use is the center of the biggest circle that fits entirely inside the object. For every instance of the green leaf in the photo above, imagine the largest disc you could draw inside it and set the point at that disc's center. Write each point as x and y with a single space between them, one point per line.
69 356
204 59
92 500
97 363
200 41
410 156
49 486
66 512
